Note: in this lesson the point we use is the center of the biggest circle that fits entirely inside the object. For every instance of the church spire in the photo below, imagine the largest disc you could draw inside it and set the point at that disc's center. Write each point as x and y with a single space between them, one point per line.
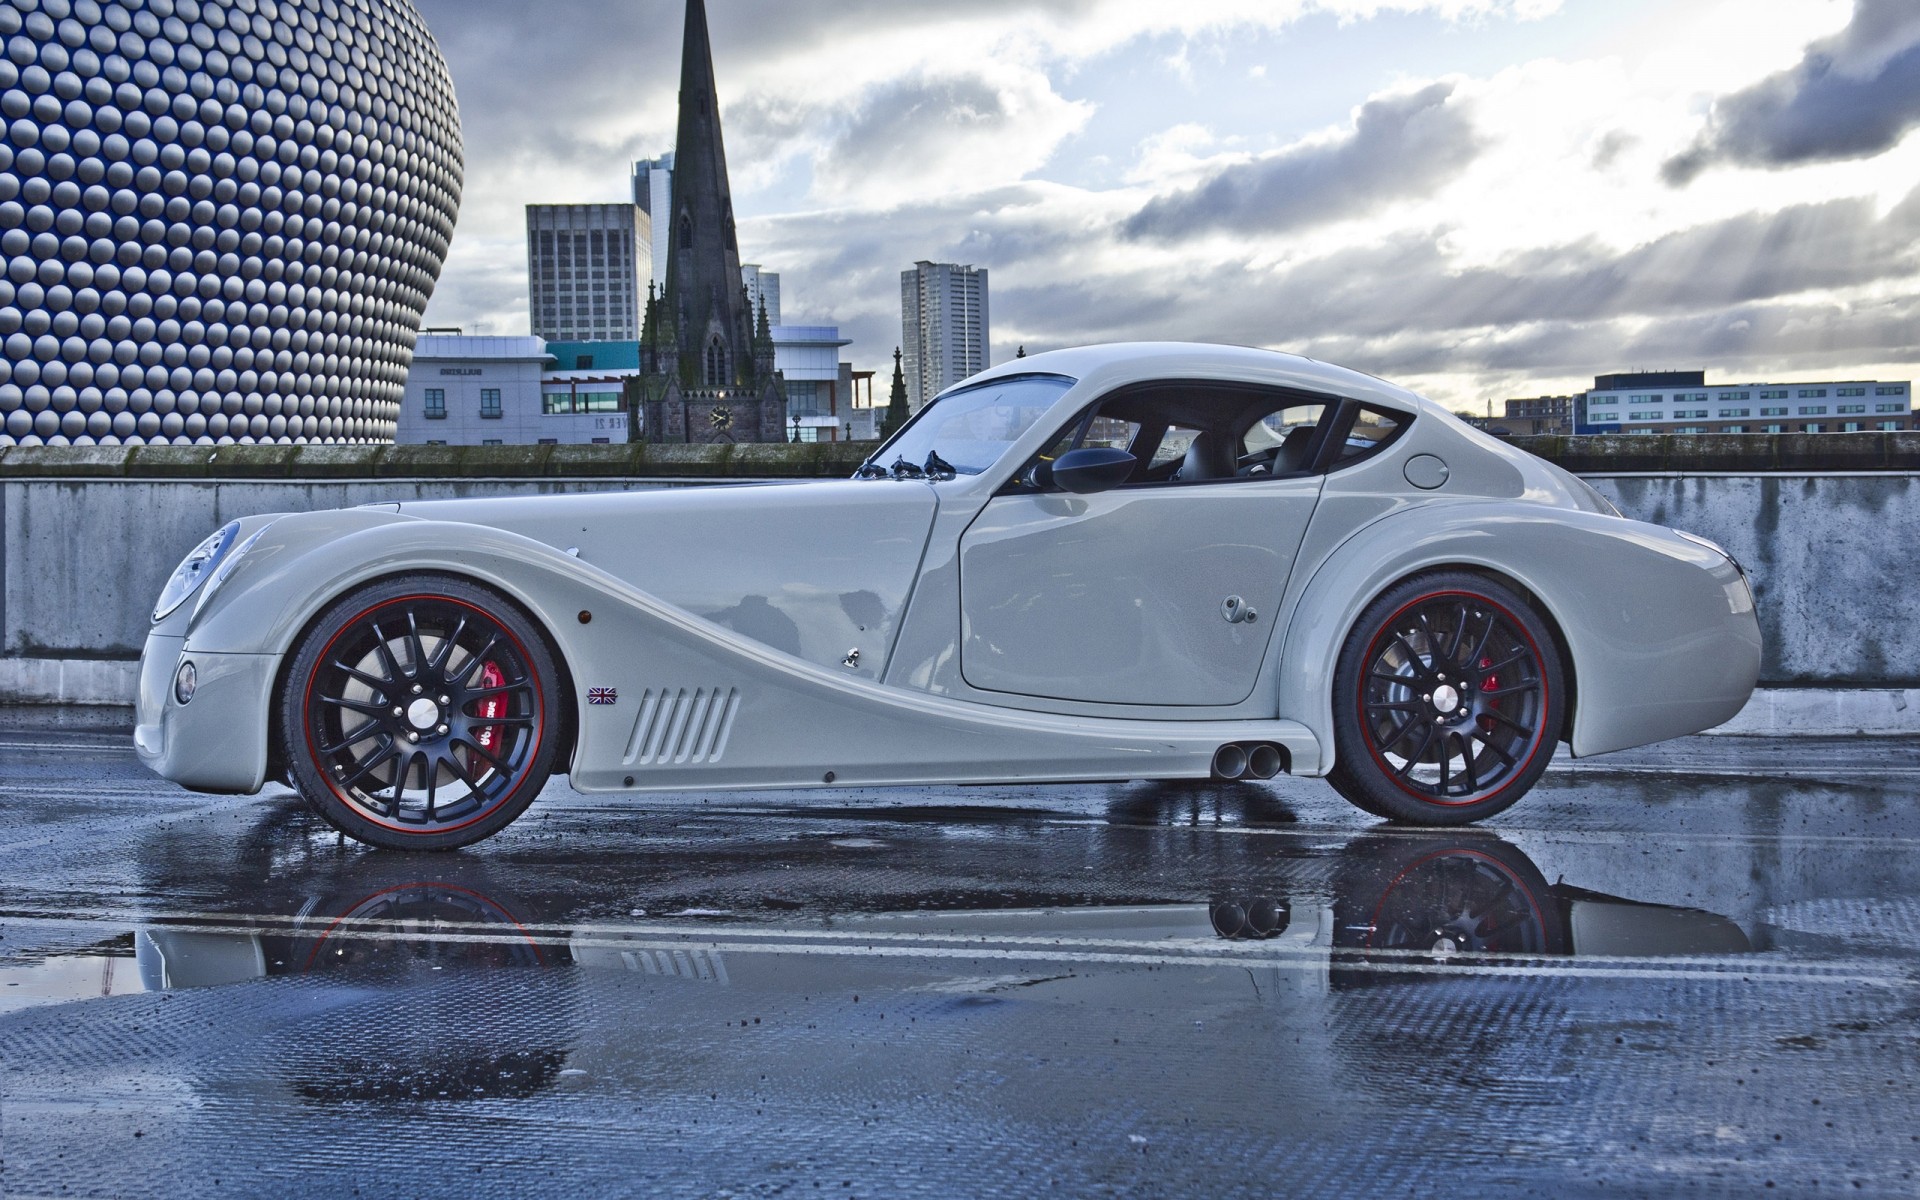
896 411
703 256
709 378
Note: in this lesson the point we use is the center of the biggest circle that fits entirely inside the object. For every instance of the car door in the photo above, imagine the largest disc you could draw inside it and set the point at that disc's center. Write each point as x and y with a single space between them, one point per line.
1158 592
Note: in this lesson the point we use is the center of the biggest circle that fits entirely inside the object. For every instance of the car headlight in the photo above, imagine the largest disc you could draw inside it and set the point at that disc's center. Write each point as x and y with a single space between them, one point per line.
194 570
228 562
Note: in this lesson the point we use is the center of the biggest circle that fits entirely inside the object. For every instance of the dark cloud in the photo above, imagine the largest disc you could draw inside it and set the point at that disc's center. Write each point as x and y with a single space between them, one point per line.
1742 293
1853 95
908 123
1400 146
530 73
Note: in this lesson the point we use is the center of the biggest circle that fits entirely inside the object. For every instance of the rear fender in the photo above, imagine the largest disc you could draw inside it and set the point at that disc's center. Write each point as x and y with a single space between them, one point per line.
1660 631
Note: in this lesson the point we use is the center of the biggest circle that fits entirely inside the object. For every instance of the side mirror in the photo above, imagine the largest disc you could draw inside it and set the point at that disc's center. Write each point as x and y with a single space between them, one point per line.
1093 469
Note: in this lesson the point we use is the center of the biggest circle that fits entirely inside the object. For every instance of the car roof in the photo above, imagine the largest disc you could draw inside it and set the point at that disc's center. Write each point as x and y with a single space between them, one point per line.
1101 368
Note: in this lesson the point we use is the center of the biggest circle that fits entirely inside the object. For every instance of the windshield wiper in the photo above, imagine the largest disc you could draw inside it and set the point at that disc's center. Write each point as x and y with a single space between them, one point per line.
870 470
937 467
902 469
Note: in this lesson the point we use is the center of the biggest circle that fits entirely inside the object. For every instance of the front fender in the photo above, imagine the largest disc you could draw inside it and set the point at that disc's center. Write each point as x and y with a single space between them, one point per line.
1660 631
307 562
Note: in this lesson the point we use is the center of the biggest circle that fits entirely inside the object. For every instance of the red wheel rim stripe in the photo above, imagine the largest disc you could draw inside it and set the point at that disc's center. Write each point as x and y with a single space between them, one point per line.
313 752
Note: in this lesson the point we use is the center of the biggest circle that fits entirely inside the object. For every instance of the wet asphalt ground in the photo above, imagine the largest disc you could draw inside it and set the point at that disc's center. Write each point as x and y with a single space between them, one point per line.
1694 969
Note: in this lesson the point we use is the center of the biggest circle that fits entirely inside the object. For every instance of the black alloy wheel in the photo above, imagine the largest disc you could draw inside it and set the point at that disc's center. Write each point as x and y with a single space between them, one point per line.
1448 701
421 713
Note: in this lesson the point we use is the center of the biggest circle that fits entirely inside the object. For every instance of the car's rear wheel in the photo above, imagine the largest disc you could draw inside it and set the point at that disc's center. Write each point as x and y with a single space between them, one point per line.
421 713
1448 700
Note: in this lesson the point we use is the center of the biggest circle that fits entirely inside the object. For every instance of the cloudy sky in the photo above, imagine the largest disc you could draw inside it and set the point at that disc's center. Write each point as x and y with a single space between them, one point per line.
1478 198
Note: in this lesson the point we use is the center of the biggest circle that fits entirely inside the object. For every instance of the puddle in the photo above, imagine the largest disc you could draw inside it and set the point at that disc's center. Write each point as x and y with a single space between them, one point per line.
68 978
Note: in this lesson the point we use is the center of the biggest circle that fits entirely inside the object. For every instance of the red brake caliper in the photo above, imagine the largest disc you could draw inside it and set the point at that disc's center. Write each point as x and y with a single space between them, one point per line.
1486 685
489 737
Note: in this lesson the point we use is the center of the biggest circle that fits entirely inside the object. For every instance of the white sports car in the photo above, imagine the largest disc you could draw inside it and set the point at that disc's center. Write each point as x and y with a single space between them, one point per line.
1155 561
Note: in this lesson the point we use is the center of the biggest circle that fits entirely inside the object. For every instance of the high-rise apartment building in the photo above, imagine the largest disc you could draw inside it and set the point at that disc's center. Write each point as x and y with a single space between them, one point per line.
943 326
762 286
653 192
587 270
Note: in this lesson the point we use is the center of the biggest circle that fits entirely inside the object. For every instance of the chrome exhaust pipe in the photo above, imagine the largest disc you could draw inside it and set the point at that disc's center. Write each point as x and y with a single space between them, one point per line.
1263 761
1229 762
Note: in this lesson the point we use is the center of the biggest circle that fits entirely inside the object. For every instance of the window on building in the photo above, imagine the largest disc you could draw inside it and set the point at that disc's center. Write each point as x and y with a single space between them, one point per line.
1734 429
1774 394
1893 389
1813 410
686 232
490 403
562 403
1815 427
1775 429
1690 429
1645 416
1601 417
1890 426
549 441
1735 412
491 442
603 441
716 363
436 441
1850 427
1851 408
1772 412
436 404
1806 393
1854 391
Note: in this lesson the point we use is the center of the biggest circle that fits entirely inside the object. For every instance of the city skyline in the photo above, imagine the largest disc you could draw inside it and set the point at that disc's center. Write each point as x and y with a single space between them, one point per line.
1482 198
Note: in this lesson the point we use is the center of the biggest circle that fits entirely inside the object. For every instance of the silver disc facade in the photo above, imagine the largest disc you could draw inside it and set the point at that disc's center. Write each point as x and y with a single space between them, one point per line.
220 220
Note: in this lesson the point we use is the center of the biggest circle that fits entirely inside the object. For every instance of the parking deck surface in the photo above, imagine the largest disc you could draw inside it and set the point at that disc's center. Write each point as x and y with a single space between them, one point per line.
1693 969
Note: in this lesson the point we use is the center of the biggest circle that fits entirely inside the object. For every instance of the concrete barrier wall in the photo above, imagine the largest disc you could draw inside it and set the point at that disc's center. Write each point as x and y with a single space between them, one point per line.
87 538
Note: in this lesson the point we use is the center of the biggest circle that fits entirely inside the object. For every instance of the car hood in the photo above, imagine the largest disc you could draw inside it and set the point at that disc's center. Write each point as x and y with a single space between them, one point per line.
816 570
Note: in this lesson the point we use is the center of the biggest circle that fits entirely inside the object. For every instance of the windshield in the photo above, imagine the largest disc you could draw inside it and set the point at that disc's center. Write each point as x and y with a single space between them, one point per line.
964 433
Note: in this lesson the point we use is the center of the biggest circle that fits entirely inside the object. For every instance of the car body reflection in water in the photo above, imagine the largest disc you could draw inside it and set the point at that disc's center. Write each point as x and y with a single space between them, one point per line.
1395 907
1412 905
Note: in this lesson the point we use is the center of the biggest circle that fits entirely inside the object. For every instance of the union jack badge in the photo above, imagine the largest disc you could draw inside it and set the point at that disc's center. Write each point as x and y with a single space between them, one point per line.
603 695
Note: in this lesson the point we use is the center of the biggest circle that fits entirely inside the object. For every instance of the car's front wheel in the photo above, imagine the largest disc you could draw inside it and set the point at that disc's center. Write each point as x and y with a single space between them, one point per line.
421 713
1448 700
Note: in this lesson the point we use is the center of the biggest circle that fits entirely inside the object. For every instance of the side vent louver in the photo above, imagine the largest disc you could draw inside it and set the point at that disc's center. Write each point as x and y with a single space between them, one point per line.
682 725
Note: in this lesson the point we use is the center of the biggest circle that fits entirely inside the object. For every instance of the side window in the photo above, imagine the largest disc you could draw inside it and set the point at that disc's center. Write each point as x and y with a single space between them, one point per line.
1203 432
1173 447
1279 442
1111 432
1371 430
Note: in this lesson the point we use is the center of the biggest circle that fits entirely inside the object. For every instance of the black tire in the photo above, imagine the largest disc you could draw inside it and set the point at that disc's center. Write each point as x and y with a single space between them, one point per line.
1448 700
421 713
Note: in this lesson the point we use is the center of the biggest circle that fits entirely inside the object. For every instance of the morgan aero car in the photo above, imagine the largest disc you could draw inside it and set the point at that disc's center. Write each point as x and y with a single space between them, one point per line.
1149 561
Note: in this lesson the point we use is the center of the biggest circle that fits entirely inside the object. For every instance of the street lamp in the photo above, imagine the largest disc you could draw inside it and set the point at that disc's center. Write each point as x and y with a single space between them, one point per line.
796 430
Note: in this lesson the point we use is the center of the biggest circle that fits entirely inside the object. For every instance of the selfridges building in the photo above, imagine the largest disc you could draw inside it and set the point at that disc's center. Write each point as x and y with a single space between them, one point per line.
220 219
